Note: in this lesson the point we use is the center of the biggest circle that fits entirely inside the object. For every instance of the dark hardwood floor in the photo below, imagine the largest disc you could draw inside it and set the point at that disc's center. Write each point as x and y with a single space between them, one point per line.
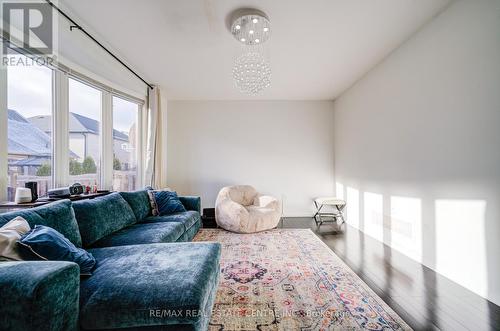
423 298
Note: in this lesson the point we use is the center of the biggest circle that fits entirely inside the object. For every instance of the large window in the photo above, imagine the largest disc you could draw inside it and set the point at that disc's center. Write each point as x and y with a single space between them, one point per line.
125 140
99 143
29 128
84 126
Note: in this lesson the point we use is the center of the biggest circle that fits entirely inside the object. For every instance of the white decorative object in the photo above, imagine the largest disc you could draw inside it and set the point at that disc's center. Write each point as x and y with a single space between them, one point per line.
23 195
242 209
251 72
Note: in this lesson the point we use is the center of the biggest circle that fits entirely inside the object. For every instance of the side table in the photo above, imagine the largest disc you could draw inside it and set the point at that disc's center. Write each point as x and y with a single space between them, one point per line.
208 218
336 214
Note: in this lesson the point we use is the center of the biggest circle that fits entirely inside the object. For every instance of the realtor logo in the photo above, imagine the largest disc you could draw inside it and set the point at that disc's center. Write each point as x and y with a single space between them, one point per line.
28 26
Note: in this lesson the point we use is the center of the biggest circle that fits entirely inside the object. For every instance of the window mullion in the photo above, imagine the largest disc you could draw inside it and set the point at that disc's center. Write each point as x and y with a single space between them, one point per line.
60 137
107 141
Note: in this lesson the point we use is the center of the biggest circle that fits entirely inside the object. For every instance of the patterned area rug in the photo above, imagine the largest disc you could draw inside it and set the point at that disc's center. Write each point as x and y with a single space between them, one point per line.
288 279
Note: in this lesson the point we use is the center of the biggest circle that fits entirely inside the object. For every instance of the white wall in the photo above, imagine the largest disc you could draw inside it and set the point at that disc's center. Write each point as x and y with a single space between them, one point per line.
417 147
283 148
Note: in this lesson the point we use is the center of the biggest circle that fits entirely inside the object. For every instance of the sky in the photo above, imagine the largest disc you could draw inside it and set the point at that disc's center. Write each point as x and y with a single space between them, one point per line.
30 94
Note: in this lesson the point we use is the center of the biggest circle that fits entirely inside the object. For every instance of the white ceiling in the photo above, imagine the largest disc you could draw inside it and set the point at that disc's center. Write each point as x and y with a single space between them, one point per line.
318 48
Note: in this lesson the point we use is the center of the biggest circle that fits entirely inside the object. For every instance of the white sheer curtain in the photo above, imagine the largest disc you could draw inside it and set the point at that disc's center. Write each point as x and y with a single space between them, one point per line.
154 173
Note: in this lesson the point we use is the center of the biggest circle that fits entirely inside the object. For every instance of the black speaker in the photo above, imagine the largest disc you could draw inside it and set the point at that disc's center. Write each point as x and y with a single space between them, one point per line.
76 189
34 190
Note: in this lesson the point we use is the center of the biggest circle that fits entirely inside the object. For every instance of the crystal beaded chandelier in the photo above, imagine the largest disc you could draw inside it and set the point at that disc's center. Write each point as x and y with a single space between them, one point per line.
251 72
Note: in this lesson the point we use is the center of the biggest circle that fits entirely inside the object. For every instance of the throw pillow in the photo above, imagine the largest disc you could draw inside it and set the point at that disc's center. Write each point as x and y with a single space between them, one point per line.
10 233
165 203
45 243
150 188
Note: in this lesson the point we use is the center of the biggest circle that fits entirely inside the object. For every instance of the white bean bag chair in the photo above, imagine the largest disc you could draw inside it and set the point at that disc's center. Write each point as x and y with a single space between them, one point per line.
242 209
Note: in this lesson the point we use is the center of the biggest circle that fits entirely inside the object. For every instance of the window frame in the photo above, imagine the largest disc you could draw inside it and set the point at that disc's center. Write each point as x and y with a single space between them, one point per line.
60 128
139 140
4 152
100 176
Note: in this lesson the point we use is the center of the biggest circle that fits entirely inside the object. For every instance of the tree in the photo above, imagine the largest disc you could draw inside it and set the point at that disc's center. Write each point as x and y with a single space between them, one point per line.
44 170
75 167
88 166
117 165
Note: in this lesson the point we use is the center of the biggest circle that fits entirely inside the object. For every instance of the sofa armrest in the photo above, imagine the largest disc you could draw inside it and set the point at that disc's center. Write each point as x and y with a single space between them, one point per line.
39 295
191 203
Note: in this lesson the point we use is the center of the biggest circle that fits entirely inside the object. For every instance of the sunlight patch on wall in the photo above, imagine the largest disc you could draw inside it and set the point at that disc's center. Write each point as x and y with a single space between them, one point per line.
460 242
374 215
404 226
353 207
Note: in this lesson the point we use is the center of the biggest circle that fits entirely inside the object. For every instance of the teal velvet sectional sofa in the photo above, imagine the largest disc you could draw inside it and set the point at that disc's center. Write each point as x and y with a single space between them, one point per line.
148 275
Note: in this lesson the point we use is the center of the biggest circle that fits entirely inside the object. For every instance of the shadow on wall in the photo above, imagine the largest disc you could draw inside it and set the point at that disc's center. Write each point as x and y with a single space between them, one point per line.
449 235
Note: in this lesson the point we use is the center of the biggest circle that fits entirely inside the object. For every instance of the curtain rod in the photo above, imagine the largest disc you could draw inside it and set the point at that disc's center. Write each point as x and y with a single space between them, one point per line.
77 26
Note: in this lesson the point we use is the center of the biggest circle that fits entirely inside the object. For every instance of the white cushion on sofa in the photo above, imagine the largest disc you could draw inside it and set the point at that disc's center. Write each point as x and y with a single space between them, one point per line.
10 233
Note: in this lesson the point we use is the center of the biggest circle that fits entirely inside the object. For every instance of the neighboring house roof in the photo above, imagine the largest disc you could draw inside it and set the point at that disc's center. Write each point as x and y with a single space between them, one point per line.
31 161
15 116
87 123
24 138
77 124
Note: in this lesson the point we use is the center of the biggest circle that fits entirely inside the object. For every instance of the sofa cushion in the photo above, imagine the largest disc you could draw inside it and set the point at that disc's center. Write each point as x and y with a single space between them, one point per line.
139 202
165 203
102 216
58 215
191 203
45 243
131 283
189 234
187 218
143 234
